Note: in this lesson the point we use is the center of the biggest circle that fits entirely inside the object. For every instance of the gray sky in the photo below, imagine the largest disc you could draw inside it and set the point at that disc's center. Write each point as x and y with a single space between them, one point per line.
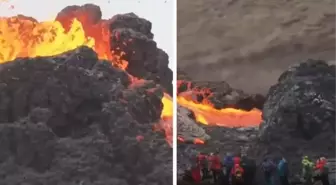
159 12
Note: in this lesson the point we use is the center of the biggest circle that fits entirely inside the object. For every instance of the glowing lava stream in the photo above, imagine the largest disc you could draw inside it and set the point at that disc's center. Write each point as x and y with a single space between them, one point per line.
227 117
25 37
166 122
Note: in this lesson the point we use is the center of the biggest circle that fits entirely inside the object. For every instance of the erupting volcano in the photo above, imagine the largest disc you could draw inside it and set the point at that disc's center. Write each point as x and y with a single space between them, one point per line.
84 100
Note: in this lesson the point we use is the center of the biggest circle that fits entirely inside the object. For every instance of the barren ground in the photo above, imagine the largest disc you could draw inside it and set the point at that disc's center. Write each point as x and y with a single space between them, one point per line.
248 43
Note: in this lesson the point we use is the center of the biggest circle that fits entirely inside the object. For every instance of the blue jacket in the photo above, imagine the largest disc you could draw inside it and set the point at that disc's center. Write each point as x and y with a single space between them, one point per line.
228 161
268 166
282 168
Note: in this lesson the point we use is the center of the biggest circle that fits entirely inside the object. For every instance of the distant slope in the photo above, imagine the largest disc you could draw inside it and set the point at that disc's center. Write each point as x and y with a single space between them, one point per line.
248 43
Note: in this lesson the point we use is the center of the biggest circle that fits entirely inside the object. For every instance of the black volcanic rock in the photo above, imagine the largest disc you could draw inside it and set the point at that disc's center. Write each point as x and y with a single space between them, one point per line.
132 21
72 119
145 60
302 102
130 35
299 114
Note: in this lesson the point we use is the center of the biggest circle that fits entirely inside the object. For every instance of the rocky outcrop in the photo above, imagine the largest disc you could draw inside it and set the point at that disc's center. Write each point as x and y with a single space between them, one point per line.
299 113
302 103
73 119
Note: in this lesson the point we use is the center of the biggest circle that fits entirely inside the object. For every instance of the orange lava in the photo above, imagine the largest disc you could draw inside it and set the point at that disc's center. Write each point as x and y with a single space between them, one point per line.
22 36
166 122
195 141
25 37
205 113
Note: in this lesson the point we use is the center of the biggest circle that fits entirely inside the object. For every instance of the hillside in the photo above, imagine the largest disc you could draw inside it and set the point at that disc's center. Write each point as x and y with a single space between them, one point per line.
252 40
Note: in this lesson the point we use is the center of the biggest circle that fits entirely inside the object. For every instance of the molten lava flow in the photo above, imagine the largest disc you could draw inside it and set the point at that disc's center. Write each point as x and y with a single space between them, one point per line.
195 141
166 122
167 111
22 36
25 37
228 117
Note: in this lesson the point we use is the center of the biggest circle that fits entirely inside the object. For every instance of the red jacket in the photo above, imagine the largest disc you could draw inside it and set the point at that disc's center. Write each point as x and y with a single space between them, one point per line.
320 164
200 159
196 174
236 160
215 163
237 168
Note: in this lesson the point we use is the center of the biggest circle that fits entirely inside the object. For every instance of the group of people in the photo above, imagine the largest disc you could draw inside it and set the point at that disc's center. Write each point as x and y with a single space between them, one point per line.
317 171
241 170
233 170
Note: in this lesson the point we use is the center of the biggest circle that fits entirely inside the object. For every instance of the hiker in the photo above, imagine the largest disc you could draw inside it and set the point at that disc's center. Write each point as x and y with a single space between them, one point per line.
307 170
228 163
203 163
215 166
283 171
268 167
321 171
250 167
237 173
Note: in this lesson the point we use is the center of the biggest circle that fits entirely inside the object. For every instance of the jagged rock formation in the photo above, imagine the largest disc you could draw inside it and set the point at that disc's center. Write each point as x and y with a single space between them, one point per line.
72 119
303 101
130 35
299 113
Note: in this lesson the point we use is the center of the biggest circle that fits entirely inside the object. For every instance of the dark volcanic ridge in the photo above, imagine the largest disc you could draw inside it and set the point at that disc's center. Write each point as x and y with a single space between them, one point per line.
298 119
74 119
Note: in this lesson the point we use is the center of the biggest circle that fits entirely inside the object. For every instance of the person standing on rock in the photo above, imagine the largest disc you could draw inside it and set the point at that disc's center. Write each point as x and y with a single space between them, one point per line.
268 167
215 166
283 171
307 170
